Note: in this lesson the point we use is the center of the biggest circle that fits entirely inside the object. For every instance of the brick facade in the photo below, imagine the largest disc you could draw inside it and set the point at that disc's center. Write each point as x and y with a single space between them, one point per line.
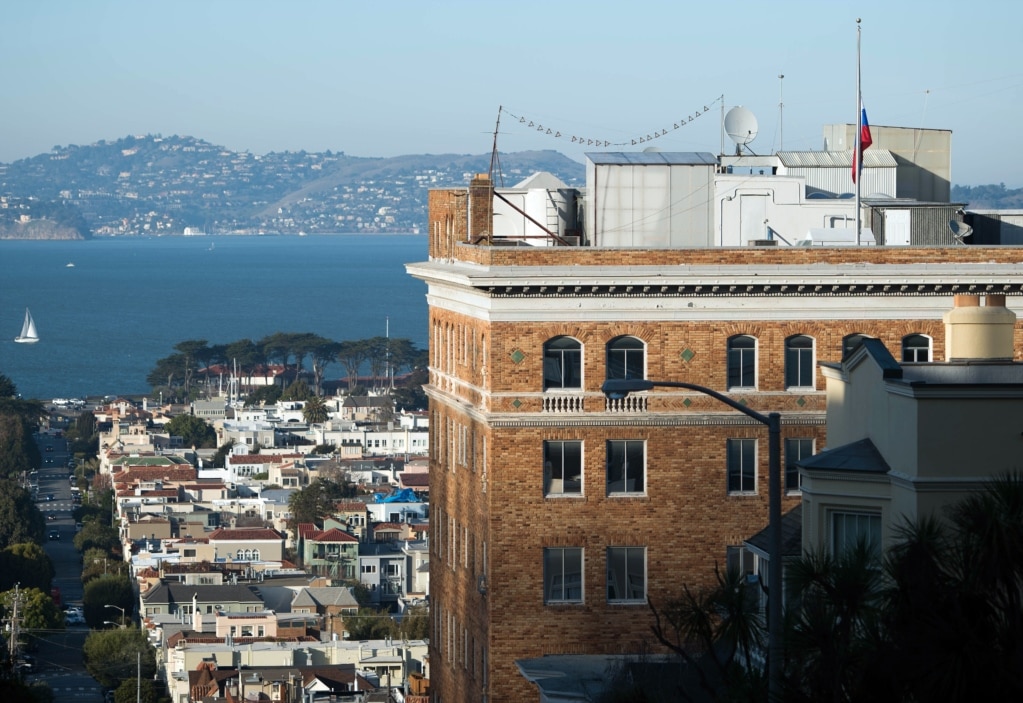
490 520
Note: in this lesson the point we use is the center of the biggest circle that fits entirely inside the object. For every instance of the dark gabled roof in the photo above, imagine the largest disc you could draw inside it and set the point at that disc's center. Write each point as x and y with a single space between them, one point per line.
182 593
791 535
860 456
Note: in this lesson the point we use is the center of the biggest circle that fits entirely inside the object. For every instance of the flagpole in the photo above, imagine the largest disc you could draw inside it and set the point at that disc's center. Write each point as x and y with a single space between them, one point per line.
857 153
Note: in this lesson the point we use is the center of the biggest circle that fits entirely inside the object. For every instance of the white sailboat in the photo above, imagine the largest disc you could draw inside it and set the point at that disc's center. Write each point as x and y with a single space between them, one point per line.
28 330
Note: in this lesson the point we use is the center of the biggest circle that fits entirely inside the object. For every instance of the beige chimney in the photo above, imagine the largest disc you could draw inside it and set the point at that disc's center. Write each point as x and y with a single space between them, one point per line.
979 332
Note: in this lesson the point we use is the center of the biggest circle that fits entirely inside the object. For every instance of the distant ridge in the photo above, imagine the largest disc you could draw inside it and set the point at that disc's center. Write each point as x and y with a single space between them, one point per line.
154 185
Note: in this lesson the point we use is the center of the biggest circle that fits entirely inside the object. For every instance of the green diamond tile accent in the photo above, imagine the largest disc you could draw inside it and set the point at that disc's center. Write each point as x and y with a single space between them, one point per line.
516 403
801 402
687 402
517 356
743 401
687 355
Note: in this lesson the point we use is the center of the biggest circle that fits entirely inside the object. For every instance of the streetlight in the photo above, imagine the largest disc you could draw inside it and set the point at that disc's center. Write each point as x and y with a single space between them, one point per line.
122 614
618 388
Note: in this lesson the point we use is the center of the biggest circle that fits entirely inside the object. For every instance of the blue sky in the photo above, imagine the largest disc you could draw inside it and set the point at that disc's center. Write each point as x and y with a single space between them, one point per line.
387 78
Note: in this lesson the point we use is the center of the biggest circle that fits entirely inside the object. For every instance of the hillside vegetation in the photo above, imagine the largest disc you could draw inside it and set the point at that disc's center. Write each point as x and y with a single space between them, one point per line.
155 185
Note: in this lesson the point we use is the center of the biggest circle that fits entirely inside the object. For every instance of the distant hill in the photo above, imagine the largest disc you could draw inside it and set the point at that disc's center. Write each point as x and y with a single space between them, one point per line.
989 197
154 185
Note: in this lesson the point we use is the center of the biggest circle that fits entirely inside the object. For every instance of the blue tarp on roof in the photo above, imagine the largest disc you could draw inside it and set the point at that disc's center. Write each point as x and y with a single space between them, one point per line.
405 495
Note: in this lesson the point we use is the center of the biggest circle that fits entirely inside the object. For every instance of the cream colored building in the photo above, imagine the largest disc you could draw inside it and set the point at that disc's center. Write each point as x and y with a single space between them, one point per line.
907 439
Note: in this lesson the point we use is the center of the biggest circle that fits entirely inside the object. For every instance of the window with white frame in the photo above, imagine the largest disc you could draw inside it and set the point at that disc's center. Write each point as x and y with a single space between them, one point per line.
796 448
916 348
799 368
626 358
849 529
626 466
563 575
626 574
741 457
562 364
742 361
562 467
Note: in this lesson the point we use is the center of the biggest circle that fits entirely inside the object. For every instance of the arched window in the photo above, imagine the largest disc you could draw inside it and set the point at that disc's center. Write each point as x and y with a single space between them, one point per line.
799 368
255 555
562 363
626 358
742 362
851 341
240 556
916 347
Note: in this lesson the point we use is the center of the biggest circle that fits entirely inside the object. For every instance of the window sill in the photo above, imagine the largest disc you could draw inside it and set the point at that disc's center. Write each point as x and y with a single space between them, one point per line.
742 494
563 496
627 602
563 603
626 495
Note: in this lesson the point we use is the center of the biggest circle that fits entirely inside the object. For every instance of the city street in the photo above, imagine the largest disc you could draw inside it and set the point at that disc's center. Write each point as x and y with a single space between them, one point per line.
58 655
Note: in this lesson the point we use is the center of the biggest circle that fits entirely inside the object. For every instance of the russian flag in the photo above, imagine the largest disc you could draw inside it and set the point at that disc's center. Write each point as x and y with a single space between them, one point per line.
865 141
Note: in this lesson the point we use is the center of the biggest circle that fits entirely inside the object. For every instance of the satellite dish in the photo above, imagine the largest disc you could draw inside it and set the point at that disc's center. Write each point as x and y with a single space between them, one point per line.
960 230
741 127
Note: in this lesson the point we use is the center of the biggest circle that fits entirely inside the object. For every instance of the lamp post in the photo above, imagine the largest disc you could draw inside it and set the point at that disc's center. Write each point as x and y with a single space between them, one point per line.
619 388
118 608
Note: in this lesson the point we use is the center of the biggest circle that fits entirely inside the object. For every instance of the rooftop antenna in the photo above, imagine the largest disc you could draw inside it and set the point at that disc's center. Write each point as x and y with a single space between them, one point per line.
495 158
741 128
781 112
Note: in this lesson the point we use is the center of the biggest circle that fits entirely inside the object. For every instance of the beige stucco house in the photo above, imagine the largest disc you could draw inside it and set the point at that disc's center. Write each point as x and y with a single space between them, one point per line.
906 439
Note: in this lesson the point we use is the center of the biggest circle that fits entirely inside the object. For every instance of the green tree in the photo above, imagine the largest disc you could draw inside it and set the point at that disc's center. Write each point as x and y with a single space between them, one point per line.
194 431
37 610
17 691
25 563
193 351
223 451
143 690
18 451
415 623
316 501
96 534
957 600
167 370
323 352
315 411
98 562
20 519
246 354
351 355
264 394
370 624
83 436
102 591
297 390
111 656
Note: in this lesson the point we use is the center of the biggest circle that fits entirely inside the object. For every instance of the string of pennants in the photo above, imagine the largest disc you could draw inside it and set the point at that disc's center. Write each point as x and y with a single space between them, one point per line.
586 141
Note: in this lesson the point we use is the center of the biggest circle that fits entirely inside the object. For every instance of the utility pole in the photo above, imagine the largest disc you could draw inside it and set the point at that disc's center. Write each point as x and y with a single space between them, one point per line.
15 624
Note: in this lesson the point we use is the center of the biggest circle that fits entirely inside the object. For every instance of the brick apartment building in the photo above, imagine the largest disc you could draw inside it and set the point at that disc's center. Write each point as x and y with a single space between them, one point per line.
556 513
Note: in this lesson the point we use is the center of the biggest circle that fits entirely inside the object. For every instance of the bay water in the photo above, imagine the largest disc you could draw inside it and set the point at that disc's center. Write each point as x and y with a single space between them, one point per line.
105 321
